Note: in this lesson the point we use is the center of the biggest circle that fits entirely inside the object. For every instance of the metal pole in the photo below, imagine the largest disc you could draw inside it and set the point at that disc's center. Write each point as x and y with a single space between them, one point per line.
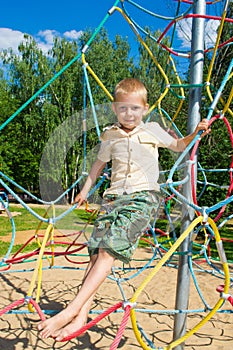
196 77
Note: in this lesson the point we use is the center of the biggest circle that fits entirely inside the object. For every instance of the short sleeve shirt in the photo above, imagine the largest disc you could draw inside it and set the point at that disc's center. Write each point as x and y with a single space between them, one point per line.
134 156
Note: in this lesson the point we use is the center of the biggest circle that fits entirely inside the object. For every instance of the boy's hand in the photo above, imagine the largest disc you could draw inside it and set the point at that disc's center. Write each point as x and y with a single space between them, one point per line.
79 199
203 125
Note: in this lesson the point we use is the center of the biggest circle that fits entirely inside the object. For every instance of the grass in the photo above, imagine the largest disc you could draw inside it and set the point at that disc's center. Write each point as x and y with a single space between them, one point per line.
25 221
165 241
76 221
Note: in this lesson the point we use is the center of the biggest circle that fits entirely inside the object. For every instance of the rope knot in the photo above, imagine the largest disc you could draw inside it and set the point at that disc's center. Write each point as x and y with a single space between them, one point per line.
27 299
221 115
128 303
169 181
223 295
205 216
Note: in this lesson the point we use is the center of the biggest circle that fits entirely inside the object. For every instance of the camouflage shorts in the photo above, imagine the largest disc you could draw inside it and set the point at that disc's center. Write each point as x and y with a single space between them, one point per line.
121 222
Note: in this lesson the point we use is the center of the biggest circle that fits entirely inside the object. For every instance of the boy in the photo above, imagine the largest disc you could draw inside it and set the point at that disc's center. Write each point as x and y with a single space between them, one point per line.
132 146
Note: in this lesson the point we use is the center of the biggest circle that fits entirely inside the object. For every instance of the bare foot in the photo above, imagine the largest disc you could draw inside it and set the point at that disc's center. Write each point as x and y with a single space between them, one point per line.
50 326
76 324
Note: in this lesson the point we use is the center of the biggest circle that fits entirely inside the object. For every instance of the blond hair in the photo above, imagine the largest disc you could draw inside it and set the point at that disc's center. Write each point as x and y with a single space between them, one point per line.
130 85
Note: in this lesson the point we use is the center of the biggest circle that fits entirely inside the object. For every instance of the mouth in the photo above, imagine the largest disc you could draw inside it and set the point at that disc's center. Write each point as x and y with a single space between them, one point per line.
129 121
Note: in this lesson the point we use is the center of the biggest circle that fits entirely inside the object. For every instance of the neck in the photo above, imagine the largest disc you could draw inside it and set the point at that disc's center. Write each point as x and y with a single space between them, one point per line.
126 129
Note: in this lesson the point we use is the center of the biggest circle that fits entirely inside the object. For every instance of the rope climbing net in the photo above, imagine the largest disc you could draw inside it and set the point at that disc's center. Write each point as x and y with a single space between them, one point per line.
163 246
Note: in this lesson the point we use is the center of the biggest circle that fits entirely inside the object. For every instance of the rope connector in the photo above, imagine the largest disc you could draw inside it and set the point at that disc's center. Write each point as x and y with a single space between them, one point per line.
27 299
205 216
112 9
107 176
221 115
191 161
85 48
128 303
203 250
84 173
223 295
169 181
51 221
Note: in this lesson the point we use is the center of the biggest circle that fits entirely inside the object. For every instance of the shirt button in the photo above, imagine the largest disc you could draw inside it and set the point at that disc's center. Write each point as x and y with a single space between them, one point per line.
129 175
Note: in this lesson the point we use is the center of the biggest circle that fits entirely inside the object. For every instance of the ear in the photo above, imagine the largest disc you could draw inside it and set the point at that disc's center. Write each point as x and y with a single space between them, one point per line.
146 107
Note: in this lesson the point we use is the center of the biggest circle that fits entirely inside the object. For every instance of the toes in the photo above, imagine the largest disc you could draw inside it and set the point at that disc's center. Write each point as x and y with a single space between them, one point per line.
40 326
58 338
45 333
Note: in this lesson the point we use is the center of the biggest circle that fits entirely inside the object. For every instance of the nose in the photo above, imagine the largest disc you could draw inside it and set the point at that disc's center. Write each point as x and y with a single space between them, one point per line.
129 111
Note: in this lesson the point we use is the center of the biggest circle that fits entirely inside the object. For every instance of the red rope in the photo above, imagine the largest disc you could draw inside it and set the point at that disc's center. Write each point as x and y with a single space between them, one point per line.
6 268
230 188
38 309
227 297
12 306
121 329
21 302
15 259
93 322
29 255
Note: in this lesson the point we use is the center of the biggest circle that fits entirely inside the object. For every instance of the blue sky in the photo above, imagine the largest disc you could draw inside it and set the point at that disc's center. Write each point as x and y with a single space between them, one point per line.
46 19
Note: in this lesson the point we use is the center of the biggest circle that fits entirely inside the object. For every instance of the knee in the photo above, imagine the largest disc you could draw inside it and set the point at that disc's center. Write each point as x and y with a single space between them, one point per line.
104 255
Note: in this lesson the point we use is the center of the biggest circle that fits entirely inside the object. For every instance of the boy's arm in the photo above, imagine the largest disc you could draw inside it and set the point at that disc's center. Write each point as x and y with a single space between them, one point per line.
180 144
95 172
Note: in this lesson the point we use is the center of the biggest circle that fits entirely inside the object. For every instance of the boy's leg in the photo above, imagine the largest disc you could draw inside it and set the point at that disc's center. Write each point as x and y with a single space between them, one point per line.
81 319
94 278
78 322
44 323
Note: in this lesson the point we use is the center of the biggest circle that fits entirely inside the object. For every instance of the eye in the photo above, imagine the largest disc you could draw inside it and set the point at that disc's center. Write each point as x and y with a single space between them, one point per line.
122 108
136 108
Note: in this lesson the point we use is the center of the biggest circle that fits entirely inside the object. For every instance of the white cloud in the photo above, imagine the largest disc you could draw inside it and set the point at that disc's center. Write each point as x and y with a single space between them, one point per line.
10 38
184 32
211 32
44 39
73 34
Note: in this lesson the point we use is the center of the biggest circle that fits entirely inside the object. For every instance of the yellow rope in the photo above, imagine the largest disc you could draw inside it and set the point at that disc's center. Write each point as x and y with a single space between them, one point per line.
156 269
214 56
52 239
158 102
212 64
225 109
96 78
37 230
38 268
181 89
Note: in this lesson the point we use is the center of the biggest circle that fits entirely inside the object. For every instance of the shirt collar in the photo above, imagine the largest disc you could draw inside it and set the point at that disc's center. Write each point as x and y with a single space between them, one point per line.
140 126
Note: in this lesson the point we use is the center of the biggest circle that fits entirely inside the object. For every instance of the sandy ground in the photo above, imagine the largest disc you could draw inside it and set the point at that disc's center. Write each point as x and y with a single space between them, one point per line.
59 286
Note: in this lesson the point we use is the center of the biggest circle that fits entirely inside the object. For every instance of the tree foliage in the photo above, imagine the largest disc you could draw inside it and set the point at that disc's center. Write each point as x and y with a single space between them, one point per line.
57 112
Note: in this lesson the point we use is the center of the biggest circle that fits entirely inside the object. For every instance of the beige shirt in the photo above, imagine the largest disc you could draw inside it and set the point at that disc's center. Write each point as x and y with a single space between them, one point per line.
134 156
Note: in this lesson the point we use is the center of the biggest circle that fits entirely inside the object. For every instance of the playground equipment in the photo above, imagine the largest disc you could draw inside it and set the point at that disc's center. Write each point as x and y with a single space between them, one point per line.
160 253
4 201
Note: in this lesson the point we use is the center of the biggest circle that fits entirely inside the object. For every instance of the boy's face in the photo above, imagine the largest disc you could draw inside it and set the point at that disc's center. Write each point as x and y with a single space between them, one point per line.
129 110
